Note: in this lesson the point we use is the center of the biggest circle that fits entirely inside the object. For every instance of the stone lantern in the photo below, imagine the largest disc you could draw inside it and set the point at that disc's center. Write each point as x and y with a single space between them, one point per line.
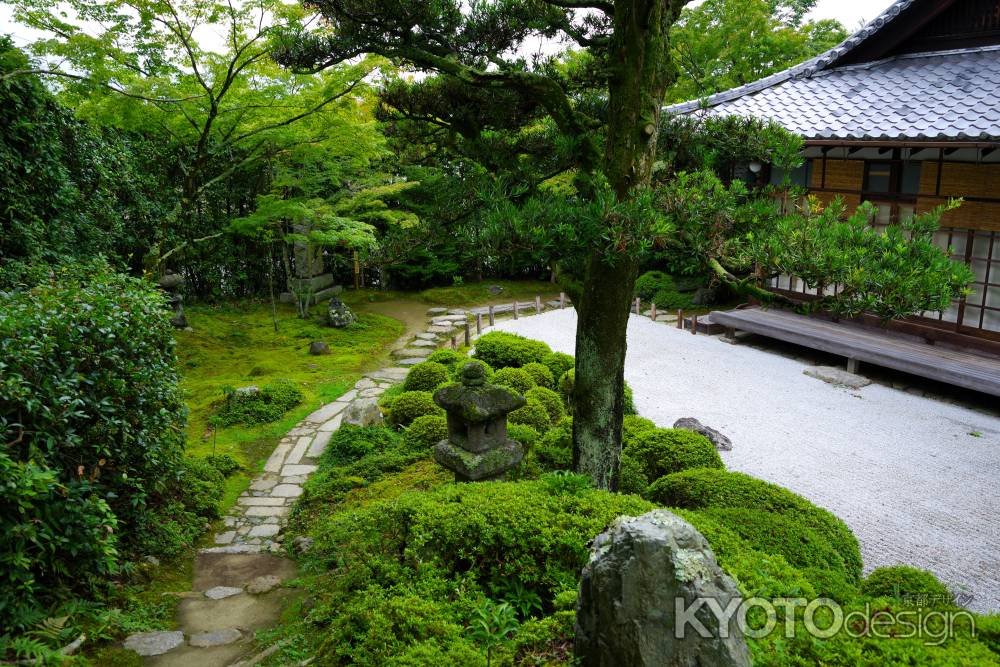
477 448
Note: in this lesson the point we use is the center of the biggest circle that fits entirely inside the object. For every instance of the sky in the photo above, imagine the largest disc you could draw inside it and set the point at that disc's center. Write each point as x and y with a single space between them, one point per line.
852 13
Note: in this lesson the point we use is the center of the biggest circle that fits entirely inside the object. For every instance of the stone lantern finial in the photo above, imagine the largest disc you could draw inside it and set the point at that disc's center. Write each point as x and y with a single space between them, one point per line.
477 447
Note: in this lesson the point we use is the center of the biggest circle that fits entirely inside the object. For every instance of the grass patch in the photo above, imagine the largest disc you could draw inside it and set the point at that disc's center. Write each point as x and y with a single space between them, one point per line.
473 293
236 345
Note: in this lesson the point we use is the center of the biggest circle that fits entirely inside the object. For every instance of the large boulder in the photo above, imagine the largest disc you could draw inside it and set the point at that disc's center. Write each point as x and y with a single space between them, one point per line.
339 315
641 571
362 412
720 441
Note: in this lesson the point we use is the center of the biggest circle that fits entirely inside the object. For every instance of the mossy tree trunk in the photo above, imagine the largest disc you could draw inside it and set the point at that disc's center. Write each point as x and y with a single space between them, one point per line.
641 70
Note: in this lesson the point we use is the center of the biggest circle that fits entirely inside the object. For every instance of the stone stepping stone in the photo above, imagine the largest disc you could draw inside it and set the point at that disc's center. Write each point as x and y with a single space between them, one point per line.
393 374
330 426
437 311
226 537
348 397
364 383
300 449
263 584
458 311
325 413
265 530
441 329
232 549
320 442
222 592
277 458
290 470
262 484
261 501
216 638
423 343
287 491
372 393
412 361
154 643
429 337
270 511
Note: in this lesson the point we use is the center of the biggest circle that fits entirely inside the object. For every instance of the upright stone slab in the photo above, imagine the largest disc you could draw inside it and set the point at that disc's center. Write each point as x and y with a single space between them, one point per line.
639 570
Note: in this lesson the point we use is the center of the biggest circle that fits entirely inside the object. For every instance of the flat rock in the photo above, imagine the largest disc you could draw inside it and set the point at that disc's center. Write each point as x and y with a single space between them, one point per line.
441 329
287 491
263 584
326 412
265 530
272 511
262 502
154 643
837 376
290 470
364 383
412 361
393 374
423 343
263 484
221 592
216 638
429 337
226 537
437 311
720 441
329 427
364 411
372 393
458 311
410 352
320 442
232 549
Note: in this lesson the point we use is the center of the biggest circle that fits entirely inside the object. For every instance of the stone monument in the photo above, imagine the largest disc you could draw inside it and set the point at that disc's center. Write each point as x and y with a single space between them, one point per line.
310 282
477 448
171 283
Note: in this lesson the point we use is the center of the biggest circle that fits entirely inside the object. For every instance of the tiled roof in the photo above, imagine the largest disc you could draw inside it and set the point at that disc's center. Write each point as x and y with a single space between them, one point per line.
946 95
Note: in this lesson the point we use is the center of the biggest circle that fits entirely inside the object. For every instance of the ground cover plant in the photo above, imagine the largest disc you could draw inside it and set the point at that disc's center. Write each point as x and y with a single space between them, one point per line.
409 568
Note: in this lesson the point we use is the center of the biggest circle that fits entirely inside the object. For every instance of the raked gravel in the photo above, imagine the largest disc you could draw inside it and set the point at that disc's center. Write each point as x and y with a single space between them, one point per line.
902 470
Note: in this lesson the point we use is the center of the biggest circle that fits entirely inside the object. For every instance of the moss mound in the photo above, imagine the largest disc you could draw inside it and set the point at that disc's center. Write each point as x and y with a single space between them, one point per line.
501 350
550 400
412 404
908 584
663 451
541 374
426 431
517 379
533 414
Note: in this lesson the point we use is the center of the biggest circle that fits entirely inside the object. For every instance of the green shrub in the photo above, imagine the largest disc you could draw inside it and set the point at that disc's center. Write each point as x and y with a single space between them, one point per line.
664 451
550 400
533 414
351 443
259 407
202 486
426 431
555 449
558 363
412 404
517 379
456 370
524 434
501 350
631 477
633 426
650 283
447 357
389 397
224 463
541 374
710 488
670 299
425 376
628 409
566 383
906 583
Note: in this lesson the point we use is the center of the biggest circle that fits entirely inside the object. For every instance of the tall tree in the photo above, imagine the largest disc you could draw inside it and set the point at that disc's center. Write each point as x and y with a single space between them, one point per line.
611 145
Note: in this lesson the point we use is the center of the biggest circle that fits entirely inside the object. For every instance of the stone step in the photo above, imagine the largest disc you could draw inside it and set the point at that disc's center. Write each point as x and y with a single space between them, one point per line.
410 352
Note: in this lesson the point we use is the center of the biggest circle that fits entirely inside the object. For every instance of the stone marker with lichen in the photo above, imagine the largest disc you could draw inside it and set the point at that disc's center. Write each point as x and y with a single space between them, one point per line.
477 447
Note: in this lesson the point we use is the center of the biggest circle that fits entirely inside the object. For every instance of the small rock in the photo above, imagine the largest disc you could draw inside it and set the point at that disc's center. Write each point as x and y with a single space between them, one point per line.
338 314
265 530
221 592
495 290
362 412
153 560
251 390
216 638
318 348
705 296
437 311
154 643
720 441
263 584
226 537
302 544
837 376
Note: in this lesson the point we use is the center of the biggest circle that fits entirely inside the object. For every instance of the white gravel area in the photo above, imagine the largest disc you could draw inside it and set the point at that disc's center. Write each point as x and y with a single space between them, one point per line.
902 470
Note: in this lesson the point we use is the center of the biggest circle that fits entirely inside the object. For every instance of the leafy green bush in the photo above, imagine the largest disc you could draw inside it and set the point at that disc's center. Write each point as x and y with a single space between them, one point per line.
517 379
633 426
712 488
259 407
533 414
524 434
906 583
202 486
558 363
447 357
425 376
541 374
389 397
426 431
550 400
501 350
628 409
631 476
456 370
650 283
664 451
555 450
224 463
566 383
412 404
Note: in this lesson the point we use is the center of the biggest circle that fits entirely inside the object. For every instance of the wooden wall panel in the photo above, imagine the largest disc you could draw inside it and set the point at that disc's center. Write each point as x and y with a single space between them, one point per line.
840 174
959 179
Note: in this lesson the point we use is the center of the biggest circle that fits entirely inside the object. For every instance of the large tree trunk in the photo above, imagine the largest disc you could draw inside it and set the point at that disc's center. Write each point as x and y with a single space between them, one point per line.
640 73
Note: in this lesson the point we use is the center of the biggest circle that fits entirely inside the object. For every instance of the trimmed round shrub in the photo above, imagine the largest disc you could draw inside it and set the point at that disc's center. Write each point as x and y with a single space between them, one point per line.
709 488
555 449
650 283
412 404
533 414
524 434
425 376
631 477
501 350
447 357
389 397
550 400
426 431
456 370
351 443
558 363
906 583
517 379
633 426
664 451
540 374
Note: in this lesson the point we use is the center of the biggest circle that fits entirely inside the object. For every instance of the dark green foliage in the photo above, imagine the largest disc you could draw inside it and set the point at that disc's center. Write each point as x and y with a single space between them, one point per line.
202 486
412 404
517 379
351 443
664 451
555 450
713 488
541 374
224 463
425 432
631 476
501 350
550 400
558 363
425 376
447 357
524 434
533 414
650 283
456 370
633 426
908 584
389 397
260 407
566 383
628 409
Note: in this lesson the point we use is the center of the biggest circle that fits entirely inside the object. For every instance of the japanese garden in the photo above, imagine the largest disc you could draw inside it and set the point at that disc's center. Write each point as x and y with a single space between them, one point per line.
499 333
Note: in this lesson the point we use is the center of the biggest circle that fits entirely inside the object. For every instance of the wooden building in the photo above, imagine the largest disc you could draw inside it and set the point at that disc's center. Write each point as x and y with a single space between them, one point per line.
905 114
